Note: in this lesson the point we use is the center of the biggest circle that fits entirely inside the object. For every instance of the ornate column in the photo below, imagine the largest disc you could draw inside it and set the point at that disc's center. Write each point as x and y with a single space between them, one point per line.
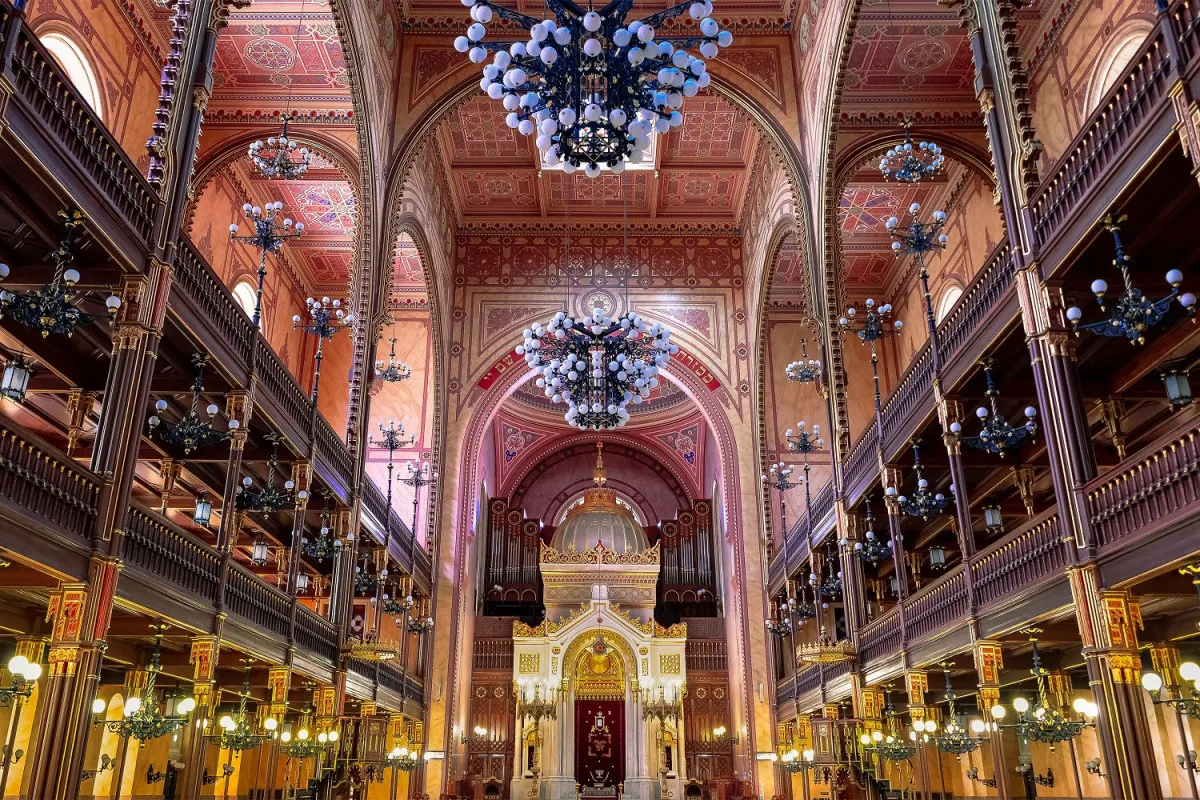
302 477
1002 88
1108 622
239 405
854 589
989 660
203 658
916 683
80 613
891 479
80 405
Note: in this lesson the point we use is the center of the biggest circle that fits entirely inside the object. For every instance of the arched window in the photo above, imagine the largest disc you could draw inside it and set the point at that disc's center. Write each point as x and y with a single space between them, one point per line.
246 296
948 300
1119 52
77 66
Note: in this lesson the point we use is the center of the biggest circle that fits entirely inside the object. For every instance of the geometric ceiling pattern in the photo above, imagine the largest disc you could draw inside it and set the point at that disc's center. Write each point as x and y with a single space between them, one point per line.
700 170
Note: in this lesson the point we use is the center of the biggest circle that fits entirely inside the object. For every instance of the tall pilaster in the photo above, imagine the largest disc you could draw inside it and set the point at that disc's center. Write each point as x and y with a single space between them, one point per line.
916 683
239 405
302 478
203 658
989 660
891 480
1108 622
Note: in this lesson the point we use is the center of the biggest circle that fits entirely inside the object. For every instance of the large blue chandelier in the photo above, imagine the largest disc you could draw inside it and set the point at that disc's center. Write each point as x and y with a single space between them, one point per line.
597 365
996 435
591 86
1132 314
923 503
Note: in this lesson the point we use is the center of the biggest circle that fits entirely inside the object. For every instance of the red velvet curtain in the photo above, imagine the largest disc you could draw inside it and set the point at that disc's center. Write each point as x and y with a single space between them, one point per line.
599 751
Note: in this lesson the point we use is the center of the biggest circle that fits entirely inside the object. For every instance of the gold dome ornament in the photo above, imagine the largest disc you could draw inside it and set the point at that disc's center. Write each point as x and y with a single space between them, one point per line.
599 520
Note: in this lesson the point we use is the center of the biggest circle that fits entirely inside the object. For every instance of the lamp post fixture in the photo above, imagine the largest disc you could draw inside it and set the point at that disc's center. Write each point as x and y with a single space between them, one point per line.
1043 722
52 308
325 319
806 370
1132 314
997 436
392 370
923 503
870 328
393 438
919 239
271 231
23 675
420 475
191 431
779 480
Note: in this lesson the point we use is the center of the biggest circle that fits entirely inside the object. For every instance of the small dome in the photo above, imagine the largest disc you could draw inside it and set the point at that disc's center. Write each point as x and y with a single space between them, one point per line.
600 519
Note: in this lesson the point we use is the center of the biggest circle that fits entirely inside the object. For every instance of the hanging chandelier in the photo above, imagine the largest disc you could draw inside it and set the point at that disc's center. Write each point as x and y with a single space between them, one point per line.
370 649
1045 722
392 370
52 308
806 370
191 431
589 85
597 364
954 738
422 621
303 745
825 651
923 502
872 550
403 759
892 746
270 497
909 163
324 546
143 717
829 586
280 157
238 731
1133 313
997 436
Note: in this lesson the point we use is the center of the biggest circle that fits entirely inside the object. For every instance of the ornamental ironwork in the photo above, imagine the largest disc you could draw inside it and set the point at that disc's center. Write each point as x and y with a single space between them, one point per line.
191 431
280 157
997 436
270 497
924 502
392 370
271 231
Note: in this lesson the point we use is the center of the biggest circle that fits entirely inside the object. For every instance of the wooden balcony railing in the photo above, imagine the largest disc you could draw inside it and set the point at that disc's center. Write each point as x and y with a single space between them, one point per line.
1187 21
171 554
374 502
880 637
316 634
1020 559
979 299
394 677
936 606
785 690
250 598
1146 488
1104 138
492 654
862 464
196 280
41 481
906 398
67 118
808 679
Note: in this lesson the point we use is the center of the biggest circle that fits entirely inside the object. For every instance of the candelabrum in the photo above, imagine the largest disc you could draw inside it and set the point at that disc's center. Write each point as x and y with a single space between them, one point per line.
1132 314
420 475
806 370
794 760
780 622
829 586
891 746
280 157
191 431
778 477
997 436
238 730
304 744
537 700
324 546
403 759
909 163
325 319
920 239
53 307
392 370
955 738
422 621
663 700
1044 722
269 498
271 231
393 437
143 718
870 328
923 503
871 549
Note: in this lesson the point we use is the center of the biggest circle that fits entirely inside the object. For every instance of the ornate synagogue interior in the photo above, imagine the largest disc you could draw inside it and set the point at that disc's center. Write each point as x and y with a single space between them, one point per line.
431 400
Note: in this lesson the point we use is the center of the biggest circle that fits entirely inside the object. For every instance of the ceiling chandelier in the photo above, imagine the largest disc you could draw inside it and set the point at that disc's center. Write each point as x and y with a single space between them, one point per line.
825 651
997 436
829 586
143 718
52 308
1133 313
303 745
872 550
893 747
806 370
589 85
923 502
238 730
403 759
324 546
597 364
190 431
280 157
909 163
954 738
1046 723
270 497
392 370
